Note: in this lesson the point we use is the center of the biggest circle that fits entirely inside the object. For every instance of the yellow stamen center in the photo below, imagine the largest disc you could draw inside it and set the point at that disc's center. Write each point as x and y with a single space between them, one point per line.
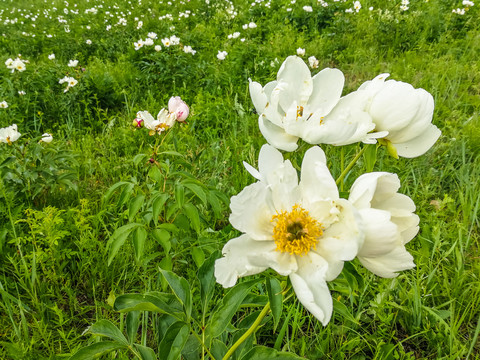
299 111
296 232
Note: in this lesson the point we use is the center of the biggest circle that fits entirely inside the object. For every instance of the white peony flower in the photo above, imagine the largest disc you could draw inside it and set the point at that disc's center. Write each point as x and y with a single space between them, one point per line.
300 229
9 134
300 52
51 57
402 111
3 104
221 55
389 223
164 121
46 138
72 63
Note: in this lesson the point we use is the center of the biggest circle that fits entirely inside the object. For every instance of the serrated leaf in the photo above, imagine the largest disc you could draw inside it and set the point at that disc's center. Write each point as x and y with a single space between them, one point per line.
192 213
174 340
135 205
96 350
180 288
106 328
274 289
227 307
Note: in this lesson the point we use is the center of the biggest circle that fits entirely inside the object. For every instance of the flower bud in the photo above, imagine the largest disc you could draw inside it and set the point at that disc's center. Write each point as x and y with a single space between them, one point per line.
137 122
177 106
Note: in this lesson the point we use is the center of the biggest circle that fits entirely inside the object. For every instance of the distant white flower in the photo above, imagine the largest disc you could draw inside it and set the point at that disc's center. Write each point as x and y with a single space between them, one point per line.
108 27
307 8
148 42
174 40
152 35
357 6
222 55
300 52
252 25
158 48
9 134
467 3
404 7
70 82
188 49
245 26
21 93
166 42
88 42
313 62
16 64
46 138
51 57
3 104
139 44
72 63
349 10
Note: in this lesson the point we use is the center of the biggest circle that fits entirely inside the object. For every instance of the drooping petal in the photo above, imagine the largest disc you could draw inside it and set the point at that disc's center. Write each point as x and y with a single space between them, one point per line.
388 265
295 81
276 136
420 144
252 211
311 288
327 90
316 181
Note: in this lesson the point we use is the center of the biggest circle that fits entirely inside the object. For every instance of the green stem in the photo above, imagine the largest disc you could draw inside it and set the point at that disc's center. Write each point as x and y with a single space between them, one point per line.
349 166
250 331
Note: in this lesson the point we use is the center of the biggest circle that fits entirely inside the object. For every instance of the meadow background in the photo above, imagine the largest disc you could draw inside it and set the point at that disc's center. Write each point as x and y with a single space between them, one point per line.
63 259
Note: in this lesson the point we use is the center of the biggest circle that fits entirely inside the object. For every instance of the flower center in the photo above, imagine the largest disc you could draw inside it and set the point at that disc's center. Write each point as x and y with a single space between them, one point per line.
296 232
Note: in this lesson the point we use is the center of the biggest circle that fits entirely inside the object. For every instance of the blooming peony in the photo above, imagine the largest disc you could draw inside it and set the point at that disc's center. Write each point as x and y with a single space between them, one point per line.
300 229
9 134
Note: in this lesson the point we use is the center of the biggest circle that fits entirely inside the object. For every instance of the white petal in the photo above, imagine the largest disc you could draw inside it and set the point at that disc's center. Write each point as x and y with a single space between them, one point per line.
295 81
327 90
254 172
259 98
252 211
419 145
363 189
269 160
310 286
316 181
381 235
276 136
389 264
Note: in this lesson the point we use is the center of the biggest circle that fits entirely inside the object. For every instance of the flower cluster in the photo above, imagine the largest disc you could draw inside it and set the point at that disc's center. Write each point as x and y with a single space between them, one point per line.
16 64
301 227
299 106
178 111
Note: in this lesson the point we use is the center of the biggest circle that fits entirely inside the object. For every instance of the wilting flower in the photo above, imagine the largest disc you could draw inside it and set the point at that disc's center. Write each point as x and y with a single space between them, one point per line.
300 229
389 223
165 120
402 111
46 138
178 107
9 134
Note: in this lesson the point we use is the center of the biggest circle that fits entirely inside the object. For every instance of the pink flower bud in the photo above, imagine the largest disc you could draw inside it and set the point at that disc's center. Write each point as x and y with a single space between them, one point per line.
138 122
177 106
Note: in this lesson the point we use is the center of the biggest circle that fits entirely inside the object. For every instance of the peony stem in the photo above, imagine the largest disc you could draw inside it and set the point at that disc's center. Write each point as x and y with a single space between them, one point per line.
350 165
250 331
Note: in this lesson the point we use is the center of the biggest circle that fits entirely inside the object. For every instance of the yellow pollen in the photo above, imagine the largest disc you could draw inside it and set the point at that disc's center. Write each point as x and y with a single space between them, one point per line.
299 111
296 232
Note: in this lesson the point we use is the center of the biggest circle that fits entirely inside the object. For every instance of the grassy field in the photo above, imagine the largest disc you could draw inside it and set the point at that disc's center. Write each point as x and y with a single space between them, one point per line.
105 213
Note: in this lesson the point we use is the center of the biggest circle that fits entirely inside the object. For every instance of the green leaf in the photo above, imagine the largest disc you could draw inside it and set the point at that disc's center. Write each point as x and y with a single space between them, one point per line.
135 205
266 353
139 238
180 288
274 289
192 213
125 194
174 340
96 350
155 174
179 195
133 321
215 204
370 157
108 329
162 236
139 159
171 152
206 278
145 352
197 190
198 255
225 310
159 303
218 349
341 309
118 239
112 188
157 207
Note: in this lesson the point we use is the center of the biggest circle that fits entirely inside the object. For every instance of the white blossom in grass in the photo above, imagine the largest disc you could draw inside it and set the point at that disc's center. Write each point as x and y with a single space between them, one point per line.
152 35
70 82
108 27
307 8
158 48
245 26
164 121
388 221
148 42
88 42
174 40
51 57
188 49
16 64
357 6
139 24
301 229
468 3
9 134
313 62
402 112
221 55
3 105
166 42
72 63
252 25
46 138
300 52
21 92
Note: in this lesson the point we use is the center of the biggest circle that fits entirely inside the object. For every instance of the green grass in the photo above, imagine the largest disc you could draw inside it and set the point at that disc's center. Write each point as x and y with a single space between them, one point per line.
55 223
